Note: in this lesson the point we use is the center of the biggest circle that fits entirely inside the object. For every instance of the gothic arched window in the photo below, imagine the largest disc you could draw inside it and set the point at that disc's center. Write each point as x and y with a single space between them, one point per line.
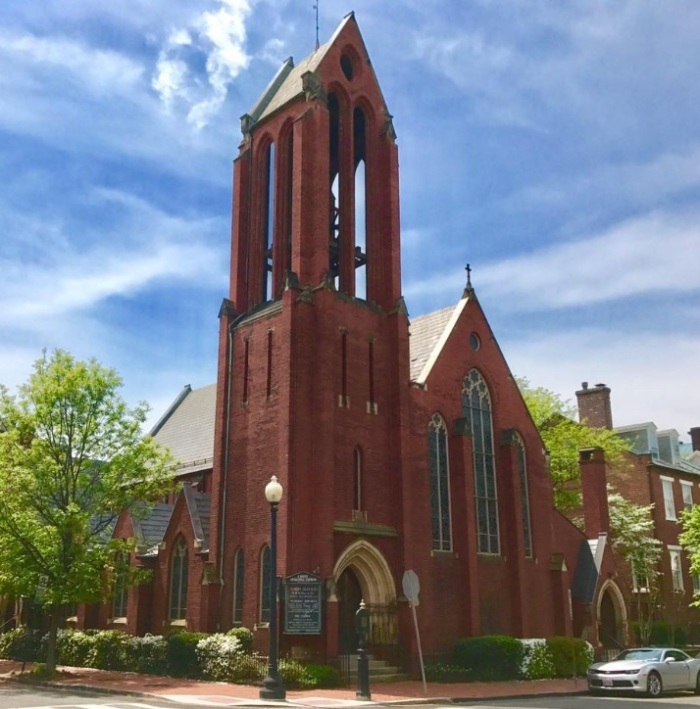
439 484
265 562
178 581
476 404
238 580
524 495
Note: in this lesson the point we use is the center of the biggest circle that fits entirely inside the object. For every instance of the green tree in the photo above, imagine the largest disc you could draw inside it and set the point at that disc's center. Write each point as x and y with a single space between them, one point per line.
632 532
690 539
563 438
72 457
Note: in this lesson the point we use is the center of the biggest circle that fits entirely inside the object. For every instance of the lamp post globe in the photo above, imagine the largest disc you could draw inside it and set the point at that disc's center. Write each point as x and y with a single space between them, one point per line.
273 687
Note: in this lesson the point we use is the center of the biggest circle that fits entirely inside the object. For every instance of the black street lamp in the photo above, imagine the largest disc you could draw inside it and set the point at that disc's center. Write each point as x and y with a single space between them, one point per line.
273 687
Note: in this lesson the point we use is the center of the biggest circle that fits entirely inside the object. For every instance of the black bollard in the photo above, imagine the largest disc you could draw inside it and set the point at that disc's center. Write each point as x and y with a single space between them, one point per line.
362 627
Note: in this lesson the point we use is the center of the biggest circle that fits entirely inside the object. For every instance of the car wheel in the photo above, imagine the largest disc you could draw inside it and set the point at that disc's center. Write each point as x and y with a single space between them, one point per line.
654 684
697 684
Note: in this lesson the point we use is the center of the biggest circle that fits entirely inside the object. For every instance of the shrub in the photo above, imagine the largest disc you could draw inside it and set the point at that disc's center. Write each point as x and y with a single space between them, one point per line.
108 650
323 676
181 654
246 638
217 655
571 656
249 669
73 647
537 659
148 655
294 675
20 644
490 657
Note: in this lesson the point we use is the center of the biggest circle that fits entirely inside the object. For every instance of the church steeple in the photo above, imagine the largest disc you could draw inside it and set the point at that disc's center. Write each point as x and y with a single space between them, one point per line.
316 181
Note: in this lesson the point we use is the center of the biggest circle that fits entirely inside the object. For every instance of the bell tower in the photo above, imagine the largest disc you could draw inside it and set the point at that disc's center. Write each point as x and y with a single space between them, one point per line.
316 181
313 349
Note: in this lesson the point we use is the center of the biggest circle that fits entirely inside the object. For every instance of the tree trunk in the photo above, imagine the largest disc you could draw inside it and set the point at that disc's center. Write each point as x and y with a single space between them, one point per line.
53 635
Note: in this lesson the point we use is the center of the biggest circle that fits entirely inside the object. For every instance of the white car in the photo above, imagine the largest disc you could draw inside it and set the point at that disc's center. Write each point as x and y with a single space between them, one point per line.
651 670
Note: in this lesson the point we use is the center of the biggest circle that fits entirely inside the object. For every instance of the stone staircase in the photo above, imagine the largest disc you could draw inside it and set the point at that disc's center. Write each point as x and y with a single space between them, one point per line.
379 670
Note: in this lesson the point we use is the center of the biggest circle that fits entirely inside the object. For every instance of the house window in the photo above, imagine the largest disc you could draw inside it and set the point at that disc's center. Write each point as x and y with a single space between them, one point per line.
640 581
178 581
265 562
524 496
476 404
687 490
238 579
696 584
121 589
669 505
676 568
439 484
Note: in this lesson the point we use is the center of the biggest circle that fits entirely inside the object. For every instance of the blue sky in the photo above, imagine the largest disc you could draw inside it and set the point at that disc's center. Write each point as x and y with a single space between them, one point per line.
554 146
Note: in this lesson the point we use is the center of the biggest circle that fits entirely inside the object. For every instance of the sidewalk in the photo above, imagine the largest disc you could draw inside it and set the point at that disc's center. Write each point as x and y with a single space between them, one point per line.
222 694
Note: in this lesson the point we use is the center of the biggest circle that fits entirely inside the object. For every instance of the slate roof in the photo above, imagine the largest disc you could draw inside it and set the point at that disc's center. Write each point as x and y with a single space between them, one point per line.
286 84
428 334
187 428
150 530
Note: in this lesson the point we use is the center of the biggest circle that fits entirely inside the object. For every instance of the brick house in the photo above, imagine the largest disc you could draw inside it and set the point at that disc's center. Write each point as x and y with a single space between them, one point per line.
400 444
655 473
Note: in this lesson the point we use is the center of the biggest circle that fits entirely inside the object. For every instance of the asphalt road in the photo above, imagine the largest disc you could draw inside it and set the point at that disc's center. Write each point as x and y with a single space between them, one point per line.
584 701
14 697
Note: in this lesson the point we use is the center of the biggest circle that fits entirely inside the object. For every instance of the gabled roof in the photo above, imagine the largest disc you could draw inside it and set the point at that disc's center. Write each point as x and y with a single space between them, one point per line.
199 507
428 336
187 428
150 530
287 84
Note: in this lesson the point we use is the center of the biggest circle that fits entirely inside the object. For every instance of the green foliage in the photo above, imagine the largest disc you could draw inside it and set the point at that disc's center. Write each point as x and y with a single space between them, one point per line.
294 675
20 644
690 539
537 659
323 676
248 669
563 438
490 657
571 656
245 636
217 655
181 654
147 654
72 457
664 633
108 651
73 647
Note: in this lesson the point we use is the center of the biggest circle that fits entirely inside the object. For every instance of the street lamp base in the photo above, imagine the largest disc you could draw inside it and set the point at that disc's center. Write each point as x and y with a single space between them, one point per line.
273 688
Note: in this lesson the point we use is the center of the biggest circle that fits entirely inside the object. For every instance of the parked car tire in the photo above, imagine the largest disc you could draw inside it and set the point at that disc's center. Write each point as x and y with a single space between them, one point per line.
655 685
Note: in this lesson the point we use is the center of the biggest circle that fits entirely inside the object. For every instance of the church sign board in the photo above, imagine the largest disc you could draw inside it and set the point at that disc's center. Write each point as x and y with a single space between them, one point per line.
302 597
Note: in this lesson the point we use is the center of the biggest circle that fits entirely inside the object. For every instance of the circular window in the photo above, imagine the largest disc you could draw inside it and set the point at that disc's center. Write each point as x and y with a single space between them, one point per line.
346 66
474 341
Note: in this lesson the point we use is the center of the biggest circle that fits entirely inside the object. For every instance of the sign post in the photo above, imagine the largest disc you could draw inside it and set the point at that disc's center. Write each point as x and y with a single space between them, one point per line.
411 589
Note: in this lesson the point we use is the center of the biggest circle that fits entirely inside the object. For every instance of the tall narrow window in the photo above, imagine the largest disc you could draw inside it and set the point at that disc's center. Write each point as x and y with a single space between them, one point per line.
178 581
669 504
334 189
687 490
344 369
524 496
246 363
676 568
238 580
288 202
269 363
268 220
357 479
439 484
476 404
121 589
265 562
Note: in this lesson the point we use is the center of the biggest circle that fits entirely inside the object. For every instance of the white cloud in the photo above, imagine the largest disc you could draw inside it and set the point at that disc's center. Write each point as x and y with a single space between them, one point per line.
651 253
220 38
649 374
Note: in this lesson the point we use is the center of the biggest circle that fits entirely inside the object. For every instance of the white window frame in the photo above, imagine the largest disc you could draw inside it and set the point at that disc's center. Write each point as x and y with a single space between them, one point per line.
687 490
696 584
669 503
676 561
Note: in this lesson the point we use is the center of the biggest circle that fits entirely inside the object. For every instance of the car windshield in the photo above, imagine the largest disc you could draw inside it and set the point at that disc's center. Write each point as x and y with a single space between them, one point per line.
648 654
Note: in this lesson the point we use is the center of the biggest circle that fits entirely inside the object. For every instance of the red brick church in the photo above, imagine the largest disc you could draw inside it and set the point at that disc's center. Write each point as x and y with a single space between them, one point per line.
401 444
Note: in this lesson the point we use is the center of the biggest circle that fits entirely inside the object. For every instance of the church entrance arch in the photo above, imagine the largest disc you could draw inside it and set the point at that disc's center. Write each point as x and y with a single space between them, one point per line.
612 616
363 573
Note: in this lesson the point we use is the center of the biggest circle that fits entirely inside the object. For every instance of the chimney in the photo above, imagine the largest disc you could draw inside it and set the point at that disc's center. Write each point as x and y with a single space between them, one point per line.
695 437
594 405
594 487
